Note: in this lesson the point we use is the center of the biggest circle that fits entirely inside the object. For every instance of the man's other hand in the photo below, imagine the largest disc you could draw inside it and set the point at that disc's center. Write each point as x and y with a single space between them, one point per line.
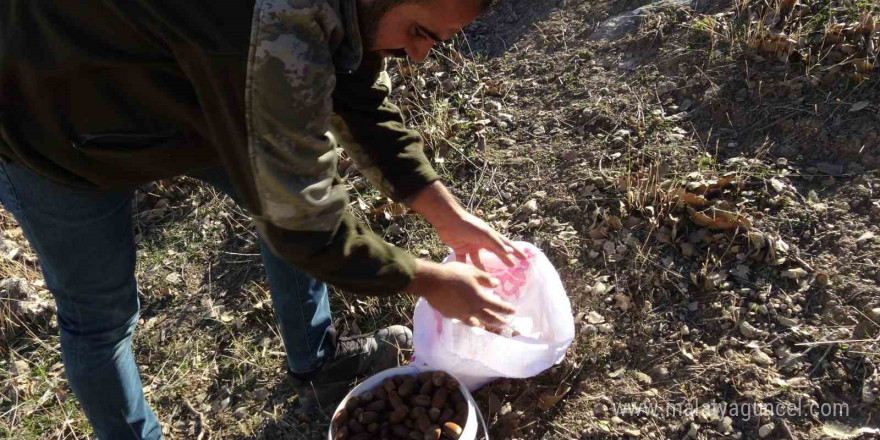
465 233
468 234
460 291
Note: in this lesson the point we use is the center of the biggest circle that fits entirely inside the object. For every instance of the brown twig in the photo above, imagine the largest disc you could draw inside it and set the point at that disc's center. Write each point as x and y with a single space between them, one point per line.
204 430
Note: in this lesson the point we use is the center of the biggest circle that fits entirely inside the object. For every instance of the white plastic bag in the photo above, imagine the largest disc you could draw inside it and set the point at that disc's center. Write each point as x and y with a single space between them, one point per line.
477 356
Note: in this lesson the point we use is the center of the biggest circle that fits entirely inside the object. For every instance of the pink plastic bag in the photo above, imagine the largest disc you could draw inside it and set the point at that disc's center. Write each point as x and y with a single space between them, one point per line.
477 356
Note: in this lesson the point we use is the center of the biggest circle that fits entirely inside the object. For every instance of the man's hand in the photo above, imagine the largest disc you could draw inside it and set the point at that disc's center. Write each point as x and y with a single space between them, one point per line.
470 234
463 232
459 291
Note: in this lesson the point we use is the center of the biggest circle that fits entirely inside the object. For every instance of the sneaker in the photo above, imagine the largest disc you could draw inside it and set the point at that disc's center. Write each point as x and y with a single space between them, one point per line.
355 356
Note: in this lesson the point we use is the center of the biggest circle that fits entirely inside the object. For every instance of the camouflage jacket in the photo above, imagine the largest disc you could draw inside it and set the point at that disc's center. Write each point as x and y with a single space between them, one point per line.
116 94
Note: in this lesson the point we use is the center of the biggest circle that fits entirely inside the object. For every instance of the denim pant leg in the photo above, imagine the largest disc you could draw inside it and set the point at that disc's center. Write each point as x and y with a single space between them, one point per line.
301 304
86 250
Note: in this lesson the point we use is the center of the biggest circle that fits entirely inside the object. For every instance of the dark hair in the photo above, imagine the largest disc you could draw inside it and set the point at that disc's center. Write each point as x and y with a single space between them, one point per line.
388 4
369 16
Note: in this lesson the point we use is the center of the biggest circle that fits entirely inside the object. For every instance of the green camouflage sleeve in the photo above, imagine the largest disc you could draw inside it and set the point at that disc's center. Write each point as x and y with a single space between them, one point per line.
371 130
291 78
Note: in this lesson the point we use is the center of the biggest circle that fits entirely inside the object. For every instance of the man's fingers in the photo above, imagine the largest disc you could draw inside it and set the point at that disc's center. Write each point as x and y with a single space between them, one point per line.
475 258
506 259
474 322
487 280
501 250
513 248
491 319
499 306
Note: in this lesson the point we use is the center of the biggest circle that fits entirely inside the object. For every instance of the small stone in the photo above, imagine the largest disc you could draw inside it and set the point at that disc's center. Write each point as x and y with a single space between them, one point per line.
724 425
589 330
239 412
765 430
750 331
642 378
616 420
632 432
606 328
688 249
788 322
693 431
507 142
868 325
865 238
528 208
708 352
781 162
794 273
173 278
829 168
868 396
659 373
16 289
20 368
777 185
761 358
595 318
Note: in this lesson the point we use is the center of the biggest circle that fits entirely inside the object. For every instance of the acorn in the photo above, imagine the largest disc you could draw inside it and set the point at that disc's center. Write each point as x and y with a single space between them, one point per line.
389 385
376 406
395 399
427 389
438 378
452 430
422 400
435 413
407 387
353 403
399 414
439 399
368 417
433 433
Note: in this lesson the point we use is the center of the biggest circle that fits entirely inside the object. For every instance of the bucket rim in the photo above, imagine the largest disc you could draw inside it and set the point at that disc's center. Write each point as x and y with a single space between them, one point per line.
470 429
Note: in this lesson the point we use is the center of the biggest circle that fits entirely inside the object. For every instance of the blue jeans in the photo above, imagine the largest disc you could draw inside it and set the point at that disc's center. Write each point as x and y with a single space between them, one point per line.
86 248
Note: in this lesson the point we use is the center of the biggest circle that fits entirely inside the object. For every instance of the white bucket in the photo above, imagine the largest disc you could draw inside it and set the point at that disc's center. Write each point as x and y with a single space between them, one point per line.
469 430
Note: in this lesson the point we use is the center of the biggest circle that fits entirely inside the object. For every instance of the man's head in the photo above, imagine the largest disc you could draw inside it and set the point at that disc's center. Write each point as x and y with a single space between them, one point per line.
411 27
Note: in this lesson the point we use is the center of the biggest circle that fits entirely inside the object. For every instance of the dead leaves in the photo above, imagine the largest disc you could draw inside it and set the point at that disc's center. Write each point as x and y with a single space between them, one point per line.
549 401
861 105
389 210
719 219
767 248
689 198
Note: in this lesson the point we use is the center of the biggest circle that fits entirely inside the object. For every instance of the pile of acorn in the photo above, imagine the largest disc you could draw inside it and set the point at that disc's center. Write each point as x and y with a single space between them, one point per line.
427 406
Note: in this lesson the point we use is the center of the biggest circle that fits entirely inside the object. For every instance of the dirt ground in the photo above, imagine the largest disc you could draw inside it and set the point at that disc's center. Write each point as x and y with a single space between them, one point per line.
704 178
